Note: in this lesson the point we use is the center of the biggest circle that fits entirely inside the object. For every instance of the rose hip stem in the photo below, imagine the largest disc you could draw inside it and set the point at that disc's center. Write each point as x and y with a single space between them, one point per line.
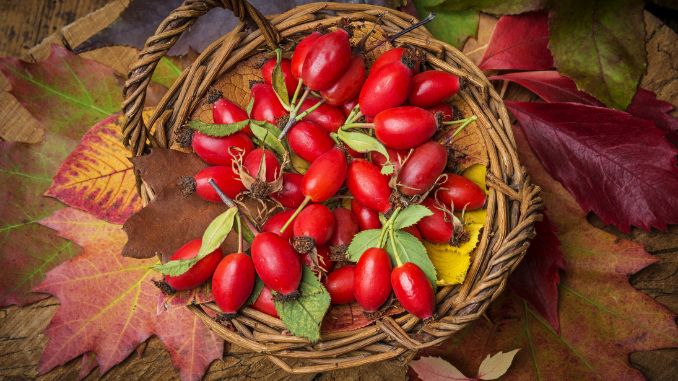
227 200
293 114
464 122
294 215
410 28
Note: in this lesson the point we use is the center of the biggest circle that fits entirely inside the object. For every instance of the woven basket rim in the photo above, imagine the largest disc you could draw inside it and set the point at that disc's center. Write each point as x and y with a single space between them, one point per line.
513 202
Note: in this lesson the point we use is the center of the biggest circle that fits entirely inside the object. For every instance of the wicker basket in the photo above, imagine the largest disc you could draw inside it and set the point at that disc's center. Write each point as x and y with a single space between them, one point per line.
512 209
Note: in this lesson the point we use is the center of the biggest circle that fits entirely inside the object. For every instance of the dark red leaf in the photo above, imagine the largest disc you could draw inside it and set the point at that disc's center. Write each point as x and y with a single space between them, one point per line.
519 43
536 279
614 164
552 87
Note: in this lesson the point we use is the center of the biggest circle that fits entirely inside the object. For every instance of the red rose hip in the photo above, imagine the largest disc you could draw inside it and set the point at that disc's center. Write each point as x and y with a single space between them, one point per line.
460 192
385 88
276 222
309 141
286 68
326 60
437 228
233 282
313 227
290 196
367 218
422 168
340 285
262 159
300 52
346 227
348 85
404 127
432 87
221 150
372 285
368 185
328 117
413 290
265 303
276 263
223 176
267 106
199 273
325 176
227 112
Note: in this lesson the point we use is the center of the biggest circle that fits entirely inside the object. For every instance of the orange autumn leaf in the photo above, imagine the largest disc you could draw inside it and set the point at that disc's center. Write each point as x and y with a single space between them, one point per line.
108 304
98 176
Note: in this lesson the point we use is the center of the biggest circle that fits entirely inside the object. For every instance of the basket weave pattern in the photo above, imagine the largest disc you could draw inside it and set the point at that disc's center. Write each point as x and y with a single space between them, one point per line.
513 204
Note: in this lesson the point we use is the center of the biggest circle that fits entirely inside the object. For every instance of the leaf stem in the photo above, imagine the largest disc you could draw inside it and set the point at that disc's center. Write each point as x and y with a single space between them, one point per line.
238 223
387 225
229 202
300 84
356 109
293 114
391 234
309 110
357 125
295 214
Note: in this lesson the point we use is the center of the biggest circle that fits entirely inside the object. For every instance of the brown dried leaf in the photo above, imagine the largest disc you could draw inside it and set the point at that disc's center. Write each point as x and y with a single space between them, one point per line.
171 219
470 141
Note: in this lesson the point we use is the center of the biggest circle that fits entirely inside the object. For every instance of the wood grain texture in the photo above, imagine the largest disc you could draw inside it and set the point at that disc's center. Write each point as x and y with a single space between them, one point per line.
25 23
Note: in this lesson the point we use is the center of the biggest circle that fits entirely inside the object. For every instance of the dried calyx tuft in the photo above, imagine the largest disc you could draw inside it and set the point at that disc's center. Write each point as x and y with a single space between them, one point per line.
213 95
286 298
186 185
338 253
164 287
184 136
303 245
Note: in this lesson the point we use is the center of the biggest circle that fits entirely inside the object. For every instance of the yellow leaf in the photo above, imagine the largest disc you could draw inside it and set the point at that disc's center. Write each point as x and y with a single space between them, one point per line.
452 262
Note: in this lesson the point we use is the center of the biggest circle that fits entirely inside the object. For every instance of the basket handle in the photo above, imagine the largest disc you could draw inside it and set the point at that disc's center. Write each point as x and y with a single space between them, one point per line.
166 35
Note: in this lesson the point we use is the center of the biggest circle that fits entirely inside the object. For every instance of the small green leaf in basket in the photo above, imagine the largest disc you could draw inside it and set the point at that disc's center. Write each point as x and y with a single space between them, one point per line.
361 242
410 216
268 135
363 143
258 286
410 249
218 130
214 236
249 107
278 81
303 316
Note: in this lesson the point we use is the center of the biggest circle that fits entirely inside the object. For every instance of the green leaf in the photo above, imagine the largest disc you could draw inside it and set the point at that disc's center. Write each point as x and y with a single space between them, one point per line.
218 130
278 81
258 286
600 45
361 242
495 7
452 27
304 315
410 249
363 143
214 236
166 72
249 107
410 216
268 135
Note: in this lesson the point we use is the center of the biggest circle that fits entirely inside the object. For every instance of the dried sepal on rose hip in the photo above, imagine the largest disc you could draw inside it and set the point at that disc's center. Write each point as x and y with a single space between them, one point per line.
443 226
260 172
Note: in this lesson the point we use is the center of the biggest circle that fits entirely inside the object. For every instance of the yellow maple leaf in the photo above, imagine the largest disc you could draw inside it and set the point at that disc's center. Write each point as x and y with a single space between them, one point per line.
452 262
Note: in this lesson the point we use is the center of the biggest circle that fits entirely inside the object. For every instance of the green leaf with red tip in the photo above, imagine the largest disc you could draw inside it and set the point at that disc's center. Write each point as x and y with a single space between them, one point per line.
304 315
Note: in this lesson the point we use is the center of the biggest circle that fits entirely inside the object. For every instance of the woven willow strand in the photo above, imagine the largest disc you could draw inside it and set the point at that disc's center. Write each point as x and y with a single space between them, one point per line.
512 209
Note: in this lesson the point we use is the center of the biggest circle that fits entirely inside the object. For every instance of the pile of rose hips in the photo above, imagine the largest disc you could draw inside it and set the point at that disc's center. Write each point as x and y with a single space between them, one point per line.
400 106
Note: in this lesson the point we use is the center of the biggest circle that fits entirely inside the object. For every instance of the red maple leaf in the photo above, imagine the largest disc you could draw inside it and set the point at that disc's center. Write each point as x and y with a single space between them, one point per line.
108 304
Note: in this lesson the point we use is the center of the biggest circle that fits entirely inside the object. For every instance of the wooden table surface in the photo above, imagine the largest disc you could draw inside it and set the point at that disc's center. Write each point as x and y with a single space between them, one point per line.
23 25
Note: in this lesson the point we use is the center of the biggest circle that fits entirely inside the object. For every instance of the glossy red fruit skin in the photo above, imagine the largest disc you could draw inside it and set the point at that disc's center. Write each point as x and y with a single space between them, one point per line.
252 163
290 196
300 52
404 127
385 88
389 56
328 117
444 108
372 285
432 87
276 263
324 261
276 222
368 185
413 290
340 285
461 192
220 151
225 112
266 105
225 178
421 170
317 184
414 231
397 156
435 228
327 59
349 106
286 68
309 141
367 218
316 221
264 302
346 227
348 85
233 282
200 272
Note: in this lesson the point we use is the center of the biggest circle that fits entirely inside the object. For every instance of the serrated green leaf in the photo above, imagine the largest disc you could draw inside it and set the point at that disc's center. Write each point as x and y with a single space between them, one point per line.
218 130
214 236
304 315
258 286
453 27
410 216
278 81
268 134
601 46
361 242
362 142
410 249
